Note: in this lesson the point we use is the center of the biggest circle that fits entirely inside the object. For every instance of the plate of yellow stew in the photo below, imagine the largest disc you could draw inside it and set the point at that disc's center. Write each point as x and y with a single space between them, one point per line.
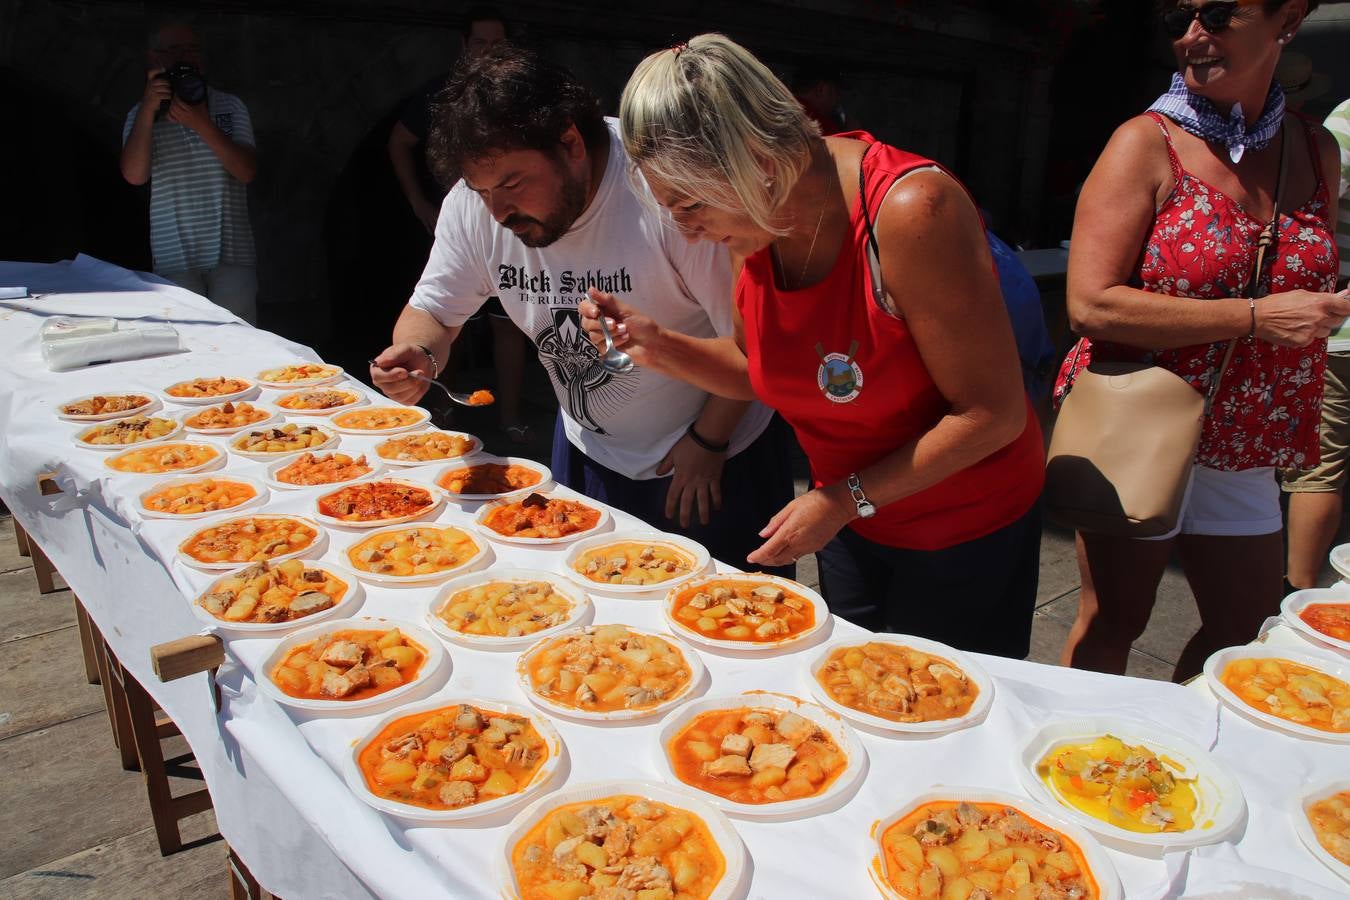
1322 820
951 842
297 375
1297 693
505 609
198 496
409 554
277 441
635 562
1133 783
108 405
761 755
900 682
609 672
454 758
621 836
119 434
276 597
351 665
212 389
424 447
233 543
157 459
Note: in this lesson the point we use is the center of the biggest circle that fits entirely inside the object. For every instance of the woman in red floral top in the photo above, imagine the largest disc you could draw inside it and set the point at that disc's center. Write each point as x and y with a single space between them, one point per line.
1163 246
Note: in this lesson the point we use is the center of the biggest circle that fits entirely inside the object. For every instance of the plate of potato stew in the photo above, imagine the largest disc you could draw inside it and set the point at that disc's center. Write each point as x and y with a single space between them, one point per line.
412 554
198 496
898 682
954 841
492 477
446 759
276 441
270 598
264 537
621 838
505 609
1298 693
761 755
748 611
608 673
342 665
635 562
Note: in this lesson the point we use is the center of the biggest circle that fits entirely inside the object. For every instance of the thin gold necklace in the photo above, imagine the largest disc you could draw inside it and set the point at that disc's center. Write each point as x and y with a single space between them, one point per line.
782 273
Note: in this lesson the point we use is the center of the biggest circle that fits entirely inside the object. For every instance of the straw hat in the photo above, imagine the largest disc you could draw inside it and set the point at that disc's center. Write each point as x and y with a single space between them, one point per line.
1295 74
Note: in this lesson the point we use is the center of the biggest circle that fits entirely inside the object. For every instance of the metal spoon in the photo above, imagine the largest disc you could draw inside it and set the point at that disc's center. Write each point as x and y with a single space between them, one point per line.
613 359
461 398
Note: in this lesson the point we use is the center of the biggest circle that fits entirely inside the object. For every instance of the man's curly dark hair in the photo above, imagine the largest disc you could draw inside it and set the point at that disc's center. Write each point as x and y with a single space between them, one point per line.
510 98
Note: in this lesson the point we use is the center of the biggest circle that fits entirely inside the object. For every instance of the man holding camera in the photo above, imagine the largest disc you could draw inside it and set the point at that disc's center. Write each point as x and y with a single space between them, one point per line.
194 145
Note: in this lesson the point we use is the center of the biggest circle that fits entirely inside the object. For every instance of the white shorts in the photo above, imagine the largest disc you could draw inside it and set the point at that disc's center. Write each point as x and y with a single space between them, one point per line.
1229 504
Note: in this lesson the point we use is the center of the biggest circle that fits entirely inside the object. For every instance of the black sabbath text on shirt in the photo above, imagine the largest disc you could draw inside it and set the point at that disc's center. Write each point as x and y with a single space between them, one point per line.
518 278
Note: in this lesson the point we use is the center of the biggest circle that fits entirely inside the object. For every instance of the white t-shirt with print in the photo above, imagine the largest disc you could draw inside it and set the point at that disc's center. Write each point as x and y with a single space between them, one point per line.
621 244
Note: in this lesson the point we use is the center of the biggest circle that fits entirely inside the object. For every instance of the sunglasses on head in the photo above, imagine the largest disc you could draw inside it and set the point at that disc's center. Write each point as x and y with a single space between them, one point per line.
1214 16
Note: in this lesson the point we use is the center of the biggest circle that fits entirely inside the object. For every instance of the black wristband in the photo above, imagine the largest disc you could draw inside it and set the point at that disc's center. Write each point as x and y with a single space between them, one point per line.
431 357
704 442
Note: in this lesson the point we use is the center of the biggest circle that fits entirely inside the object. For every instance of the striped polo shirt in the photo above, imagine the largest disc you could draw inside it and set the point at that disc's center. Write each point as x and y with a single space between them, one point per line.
1338 123
198 211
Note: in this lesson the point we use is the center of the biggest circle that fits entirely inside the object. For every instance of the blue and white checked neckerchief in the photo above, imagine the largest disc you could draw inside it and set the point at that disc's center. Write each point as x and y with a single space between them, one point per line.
1201 118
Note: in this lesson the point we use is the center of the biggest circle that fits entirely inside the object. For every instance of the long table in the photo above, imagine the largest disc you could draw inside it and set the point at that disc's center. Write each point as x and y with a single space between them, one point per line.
275 774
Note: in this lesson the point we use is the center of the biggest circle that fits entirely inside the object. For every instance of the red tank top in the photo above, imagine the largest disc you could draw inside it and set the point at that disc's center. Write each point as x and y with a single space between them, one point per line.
847 376
1202 246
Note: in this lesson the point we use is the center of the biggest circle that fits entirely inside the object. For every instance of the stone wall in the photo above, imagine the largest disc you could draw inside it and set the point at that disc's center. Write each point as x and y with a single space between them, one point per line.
323 79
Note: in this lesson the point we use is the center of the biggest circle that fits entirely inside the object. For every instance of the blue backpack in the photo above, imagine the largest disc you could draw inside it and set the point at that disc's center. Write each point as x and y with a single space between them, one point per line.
1023 300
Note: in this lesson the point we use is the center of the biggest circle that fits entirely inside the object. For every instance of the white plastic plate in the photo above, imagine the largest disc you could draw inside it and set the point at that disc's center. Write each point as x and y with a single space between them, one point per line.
545 476
376 470
314 548
260 494
686 630
437 499
974 671
78 437
423 417
1219 661
1340 560
695 552
330 375
435 658
1221 804
330 440
469 565
150 406
600 524
358 399
581 608
835 727
619 715
1298 601
345 605
475 445
719 826
1303 828
272 417
208 401
217 459
1102 871
557 752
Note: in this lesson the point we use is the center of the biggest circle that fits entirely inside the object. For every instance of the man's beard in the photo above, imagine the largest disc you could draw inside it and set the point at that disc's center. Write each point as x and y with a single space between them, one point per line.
571 202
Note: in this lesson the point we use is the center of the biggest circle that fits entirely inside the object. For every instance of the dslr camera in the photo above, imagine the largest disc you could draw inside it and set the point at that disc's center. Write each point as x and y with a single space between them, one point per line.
188 83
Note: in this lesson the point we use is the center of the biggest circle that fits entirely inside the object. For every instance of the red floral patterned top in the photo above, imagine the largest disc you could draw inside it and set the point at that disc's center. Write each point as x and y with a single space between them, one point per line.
1203 246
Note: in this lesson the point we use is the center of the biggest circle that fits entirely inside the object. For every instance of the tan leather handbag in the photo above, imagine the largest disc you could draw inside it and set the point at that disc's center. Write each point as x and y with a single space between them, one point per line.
1121 453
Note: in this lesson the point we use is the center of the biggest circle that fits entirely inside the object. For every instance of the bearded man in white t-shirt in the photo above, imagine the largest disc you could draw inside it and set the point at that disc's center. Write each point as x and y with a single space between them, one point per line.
547 211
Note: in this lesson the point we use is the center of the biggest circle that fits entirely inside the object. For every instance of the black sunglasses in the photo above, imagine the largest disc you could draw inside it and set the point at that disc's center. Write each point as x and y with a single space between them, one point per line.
1214 17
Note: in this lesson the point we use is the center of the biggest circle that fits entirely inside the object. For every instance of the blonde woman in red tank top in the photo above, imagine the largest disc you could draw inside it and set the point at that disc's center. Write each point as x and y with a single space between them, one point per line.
926 461
1163 244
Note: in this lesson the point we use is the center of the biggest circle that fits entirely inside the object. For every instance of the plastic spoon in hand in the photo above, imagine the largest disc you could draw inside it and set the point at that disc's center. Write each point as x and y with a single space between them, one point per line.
613 359
461 398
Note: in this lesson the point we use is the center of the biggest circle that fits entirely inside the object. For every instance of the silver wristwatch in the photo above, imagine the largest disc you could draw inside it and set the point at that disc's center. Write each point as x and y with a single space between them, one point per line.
865 507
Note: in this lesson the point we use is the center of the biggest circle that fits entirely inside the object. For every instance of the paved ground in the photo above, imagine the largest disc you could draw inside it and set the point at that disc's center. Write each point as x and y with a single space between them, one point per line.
76 825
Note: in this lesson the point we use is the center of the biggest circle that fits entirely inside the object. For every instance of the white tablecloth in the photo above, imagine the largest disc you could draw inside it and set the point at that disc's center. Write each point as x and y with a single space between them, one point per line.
275 774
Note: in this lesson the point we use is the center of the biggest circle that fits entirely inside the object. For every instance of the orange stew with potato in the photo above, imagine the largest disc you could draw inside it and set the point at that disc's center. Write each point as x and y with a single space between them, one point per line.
1332 619
350 665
